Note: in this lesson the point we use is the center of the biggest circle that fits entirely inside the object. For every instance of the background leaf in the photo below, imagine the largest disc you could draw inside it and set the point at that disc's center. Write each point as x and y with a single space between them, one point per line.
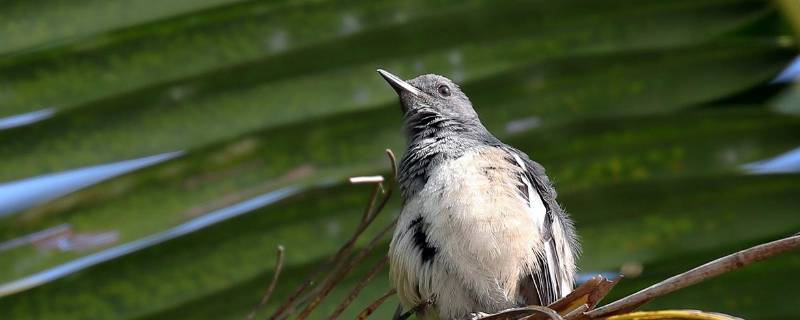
657 121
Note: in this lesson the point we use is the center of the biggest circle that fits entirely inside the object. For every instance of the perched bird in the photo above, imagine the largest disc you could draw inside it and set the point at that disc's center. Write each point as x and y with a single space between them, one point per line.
480 230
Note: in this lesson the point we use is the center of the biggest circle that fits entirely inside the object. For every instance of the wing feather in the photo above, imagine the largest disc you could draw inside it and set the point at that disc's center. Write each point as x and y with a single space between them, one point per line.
549 279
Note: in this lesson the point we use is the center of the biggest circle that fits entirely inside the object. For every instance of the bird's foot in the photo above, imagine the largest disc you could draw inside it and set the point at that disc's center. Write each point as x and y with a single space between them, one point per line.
514 313
492 316
478 315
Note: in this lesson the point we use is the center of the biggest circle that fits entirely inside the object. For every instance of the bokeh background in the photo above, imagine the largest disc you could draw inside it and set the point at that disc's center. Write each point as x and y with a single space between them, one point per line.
154 153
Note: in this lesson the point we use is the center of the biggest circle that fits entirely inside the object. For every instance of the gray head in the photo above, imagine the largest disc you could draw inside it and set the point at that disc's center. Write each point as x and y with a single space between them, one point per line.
431 97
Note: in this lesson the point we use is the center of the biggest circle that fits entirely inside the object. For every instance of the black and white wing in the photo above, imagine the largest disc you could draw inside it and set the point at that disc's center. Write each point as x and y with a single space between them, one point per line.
552 276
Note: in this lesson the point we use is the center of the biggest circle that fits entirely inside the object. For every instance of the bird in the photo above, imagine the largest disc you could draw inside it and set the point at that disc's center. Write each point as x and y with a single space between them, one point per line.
480 230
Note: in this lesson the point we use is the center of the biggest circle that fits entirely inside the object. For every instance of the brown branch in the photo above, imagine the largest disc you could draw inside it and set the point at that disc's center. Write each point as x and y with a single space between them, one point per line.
339 276
577 313
360 286
337 259
295 294
374 306
271 286
529 312
545 311
589 294
368 179
415 309
368 212
393 162
708 270
338 271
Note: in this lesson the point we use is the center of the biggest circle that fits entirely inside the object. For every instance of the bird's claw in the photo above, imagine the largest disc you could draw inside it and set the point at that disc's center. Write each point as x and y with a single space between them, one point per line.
477 315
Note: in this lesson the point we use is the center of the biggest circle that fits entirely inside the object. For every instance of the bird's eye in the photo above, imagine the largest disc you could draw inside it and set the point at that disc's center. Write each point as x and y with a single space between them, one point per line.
444 90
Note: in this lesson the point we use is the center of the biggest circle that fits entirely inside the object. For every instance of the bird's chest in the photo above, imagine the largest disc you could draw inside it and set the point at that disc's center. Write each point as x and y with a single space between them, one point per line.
475 218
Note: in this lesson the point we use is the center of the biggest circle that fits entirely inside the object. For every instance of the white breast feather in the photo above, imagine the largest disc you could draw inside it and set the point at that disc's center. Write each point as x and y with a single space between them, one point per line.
484 242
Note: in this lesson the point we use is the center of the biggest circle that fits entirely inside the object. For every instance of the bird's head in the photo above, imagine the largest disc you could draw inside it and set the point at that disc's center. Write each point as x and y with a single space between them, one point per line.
431 97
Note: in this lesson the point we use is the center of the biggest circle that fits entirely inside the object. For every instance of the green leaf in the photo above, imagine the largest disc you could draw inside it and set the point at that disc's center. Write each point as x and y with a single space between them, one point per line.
683 215
644 114
268 40
585 155
194 115
27 26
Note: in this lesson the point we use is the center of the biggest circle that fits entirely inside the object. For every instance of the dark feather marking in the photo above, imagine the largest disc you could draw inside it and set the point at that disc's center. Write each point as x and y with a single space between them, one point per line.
488 172
523 191
546 291
434 137
547 295
427 251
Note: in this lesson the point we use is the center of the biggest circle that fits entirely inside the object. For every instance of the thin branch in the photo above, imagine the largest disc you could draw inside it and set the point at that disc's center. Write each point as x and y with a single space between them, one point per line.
367 179
708 270
417 308
547 312
374 306
271 286
393 162
529 312
297 292
338 272
339 276
589 293
337 260
369 212
360 286
577 312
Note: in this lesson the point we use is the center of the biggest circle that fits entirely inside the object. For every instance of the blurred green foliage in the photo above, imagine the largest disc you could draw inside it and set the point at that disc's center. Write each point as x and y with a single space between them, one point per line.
644 113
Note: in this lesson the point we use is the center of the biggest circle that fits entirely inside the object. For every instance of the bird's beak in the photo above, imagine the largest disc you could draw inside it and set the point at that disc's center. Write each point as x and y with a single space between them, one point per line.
398 84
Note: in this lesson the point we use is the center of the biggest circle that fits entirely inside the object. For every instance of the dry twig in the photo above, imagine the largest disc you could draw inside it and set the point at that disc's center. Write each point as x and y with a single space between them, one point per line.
708 270
589 294
360 286
271 286
341 267
369 179
367 218
415 309
576 306
372 307
576 313
338 259
342 273
525 313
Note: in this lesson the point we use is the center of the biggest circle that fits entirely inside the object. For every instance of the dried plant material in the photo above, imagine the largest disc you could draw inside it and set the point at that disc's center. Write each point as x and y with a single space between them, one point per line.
360 286
589 293
577 313
578 305
373 306
271 287
342 273
308 295
415 309
706 271
673 315
368 179
525 313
